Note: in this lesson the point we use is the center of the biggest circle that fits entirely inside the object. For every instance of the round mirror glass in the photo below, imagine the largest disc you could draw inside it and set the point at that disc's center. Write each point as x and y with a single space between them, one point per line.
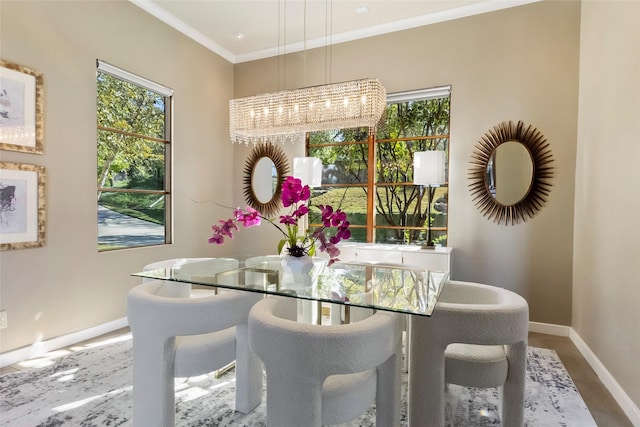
263 179
509 173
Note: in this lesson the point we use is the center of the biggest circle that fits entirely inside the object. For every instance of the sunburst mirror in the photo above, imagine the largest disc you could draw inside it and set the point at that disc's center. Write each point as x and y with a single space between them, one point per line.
264 173
511 169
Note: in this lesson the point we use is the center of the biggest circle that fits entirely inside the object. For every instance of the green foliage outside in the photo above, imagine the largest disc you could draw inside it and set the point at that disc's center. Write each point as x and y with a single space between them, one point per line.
148 207
129 108
344 154
131 148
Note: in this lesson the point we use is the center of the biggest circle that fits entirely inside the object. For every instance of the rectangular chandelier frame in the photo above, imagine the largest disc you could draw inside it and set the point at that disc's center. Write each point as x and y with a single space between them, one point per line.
286 115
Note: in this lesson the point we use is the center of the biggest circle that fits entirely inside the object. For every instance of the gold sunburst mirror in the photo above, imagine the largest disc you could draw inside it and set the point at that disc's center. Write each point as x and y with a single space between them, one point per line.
264 173
510 173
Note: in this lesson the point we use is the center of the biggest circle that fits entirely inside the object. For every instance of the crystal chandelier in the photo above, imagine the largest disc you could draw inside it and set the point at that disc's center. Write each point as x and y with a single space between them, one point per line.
288 114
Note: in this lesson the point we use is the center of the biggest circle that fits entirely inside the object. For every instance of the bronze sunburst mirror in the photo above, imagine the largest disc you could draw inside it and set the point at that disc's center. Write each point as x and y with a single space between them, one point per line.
510 173
271 158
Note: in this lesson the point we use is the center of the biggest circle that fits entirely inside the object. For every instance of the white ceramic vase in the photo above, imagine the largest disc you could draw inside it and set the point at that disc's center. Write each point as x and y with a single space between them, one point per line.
297 272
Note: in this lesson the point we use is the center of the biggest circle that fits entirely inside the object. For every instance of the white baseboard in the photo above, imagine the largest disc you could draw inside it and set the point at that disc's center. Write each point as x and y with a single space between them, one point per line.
40 348
549 329
630 409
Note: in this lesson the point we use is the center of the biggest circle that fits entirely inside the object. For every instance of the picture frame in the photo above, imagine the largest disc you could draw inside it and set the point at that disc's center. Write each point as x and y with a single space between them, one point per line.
22 206
21 108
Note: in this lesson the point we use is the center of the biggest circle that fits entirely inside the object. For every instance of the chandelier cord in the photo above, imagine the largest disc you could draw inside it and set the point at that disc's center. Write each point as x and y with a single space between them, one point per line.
327 45
279 52
284 49
326 37
279 56
304 44
282 46
287 115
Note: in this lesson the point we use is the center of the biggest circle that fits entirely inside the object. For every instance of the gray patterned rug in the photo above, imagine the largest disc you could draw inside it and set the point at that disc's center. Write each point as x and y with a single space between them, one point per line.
91 386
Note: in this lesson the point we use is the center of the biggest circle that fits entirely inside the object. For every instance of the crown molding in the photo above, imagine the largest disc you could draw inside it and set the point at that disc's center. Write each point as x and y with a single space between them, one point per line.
375 30
184 28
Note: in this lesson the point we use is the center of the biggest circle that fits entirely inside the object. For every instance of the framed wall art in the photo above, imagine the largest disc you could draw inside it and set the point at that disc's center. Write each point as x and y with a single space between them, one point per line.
22 206
21 108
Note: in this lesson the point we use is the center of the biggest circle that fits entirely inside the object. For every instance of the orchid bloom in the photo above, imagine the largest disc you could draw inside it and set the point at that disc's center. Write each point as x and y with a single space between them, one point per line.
293 191
328 247
248 217
217 238
287 220
227 227
295 197
301 211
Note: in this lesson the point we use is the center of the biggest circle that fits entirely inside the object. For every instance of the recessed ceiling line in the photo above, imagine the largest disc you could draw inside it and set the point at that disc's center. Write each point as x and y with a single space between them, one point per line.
404 24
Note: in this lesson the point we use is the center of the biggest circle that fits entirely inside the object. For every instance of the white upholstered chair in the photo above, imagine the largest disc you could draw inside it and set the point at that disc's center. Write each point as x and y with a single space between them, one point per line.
185 336
182 289
476 337
320 375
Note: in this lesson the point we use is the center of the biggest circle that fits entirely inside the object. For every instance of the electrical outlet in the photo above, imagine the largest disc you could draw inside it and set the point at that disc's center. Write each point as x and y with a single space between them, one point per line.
3 319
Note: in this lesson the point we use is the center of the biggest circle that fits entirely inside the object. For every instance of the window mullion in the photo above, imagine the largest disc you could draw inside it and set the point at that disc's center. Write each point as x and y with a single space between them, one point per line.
371 187
168 170
133 134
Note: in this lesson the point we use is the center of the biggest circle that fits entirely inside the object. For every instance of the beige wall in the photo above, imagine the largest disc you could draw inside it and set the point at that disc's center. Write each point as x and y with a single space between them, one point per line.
67 286
606 289
514 64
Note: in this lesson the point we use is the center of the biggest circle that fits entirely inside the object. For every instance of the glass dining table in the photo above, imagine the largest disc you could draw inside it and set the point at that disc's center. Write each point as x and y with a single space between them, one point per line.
380 286
399 288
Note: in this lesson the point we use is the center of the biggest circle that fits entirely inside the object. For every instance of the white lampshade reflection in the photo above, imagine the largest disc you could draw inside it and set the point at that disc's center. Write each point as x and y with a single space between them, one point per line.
429 168
309 170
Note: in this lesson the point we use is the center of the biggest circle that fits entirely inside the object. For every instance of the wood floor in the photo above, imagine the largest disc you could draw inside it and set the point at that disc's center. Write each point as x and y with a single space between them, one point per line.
603 407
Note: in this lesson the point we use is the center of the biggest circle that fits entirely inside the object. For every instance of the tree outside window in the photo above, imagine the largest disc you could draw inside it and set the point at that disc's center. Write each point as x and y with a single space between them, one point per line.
381 202
133 145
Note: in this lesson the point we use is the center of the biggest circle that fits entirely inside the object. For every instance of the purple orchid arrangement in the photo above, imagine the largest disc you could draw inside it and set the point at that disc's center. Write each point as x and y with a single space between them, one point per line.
334 228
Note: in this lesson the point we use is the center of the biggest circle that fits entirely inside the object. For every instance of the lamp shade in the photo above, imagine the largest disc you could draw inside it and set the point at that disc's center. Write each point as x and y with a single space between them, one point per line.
428 168
309 170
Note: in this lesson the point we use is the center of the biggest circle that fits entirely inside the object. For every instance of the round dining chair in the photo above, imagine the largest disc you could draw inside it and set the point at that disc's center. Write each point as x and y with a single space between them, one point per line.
475 337
318 375
183 336
185 290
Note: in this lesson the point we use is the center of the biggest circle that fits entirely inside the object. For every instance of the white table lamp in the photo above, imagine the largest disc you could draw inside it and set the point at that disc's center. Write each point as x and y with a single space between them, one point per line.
429 168
309 170
429 171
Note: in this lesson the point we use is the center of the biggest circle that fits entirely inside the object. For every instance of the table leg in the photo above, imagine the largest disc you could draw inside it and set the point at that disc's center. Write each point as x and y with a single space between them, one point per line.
426 377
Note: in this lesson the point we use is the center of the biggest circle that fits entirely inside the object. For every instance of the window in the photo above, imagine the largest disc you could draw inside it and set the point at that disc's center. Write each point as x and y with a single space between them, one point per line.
134 160
371 175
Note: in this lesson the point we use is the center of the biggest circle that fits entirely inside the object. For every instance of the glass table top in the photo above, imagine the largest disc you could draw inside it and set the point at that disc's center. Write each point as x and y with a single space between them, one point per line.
383 286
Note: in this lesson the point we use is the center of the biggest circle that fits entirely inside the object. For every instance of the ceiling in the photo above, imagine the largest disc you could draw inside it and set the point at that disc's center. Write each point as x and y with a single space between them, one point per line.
274 27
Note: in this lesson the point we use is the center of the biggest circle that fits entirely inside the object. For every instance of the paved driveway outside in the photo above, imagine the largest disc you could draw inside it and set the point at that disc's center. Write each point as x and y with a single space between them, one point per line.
122 230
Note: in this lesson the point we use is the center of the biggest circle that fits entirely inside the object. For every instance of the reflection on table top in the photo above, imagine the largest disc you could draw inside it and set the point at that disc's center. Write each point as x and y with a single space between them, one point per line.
391 287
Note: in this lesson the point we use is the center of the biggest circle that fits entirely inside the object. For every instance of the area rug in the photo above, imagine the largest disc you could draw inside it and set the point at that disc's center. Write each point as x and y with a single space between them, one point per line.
91 386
